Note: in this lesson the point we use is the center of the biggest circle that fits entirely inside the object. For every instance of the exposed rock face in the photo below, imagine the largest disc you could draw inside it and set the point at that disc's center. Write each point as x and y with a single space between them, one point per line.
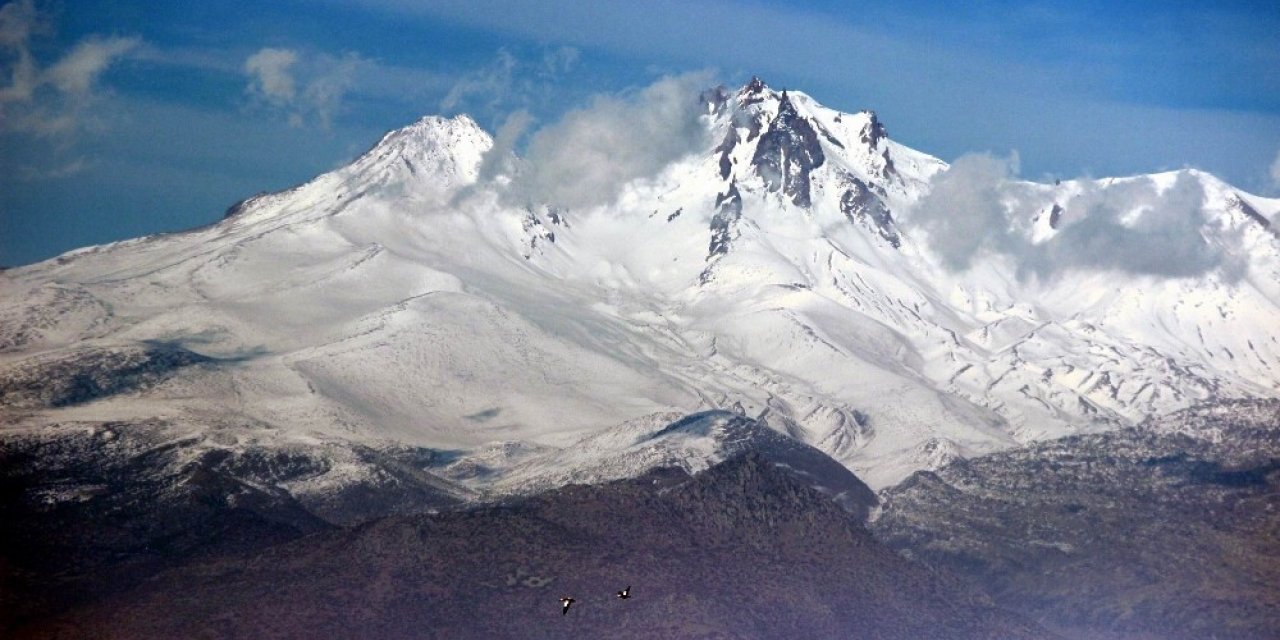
728 211
787 152
873 132
1163 531
535 232
861 205
715 99
80 375
743 550
368 304
242 206
725 149
1055 216
753 91
93 510
1249 211
1243 207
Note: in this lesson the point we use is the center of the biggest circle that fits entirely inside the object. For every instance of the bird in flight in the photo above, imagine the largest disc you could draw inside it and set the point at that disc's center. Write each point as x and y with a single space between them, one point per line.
625 593
566 602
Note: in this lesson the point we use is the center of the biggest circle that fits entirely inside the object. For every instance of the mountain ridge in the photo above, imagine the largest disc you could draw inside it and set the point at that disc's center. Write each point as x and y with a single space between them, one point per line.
1163 530
743 549
793 281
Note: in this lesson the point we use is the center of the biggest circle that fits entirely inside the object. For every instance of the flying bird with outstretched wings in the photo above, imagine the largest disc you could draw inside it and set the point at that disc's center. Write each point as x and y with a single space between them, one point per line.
566 602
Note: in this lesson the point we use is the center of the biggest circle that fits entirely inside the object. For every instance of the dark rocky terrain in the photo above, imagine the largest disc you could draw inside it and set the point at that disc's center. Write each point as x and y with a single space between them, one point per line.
744 550
149 529
1169 530
76 376
91 509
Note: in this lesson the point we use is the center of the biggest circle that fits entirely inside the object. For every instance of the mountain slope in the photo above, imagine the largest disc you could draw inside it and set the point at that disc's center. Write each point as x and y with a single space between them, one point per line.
89 510
408 299
1166 530
743 550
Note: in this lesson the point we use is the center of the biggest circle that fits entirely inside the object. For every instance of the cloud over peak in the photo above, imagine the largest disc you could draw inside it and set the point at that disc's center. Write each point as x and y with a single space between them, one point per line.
589 155
1134 226
978 208
963 213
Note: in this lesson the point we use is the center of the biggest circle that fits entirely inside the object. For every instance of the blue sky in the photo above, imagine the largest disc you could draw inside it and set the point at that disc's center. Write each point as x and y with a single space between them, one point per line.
126 117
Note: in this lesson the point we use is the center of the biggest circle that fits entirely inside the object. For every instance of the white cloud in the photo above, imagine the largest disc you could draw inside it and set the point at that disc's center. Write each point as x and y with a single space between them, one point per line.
494 81
977 207
17 22
25 103
510 83
270 74
962 213
501 158
559 61
587 157
1275 171
29 173
325 92
77 71
306 88
1132 226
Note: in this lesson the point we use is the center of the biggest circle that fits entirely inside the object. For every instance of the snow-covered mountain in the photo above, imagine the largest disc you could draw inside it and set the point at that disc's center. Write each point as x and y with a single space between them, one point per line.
787 270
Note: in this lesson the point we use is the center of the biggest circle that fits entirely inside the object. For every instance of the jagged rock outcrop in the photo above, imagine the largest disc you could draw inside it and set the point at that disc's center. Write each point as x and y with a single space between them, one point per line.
788 151
873 131
728 211
861 205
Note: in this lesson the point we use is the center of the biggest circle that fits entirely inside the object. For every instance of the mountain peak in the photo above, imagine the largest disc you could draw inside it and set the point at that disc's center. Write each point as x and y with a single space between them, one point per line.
432 155
755 86
435 131
434 149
